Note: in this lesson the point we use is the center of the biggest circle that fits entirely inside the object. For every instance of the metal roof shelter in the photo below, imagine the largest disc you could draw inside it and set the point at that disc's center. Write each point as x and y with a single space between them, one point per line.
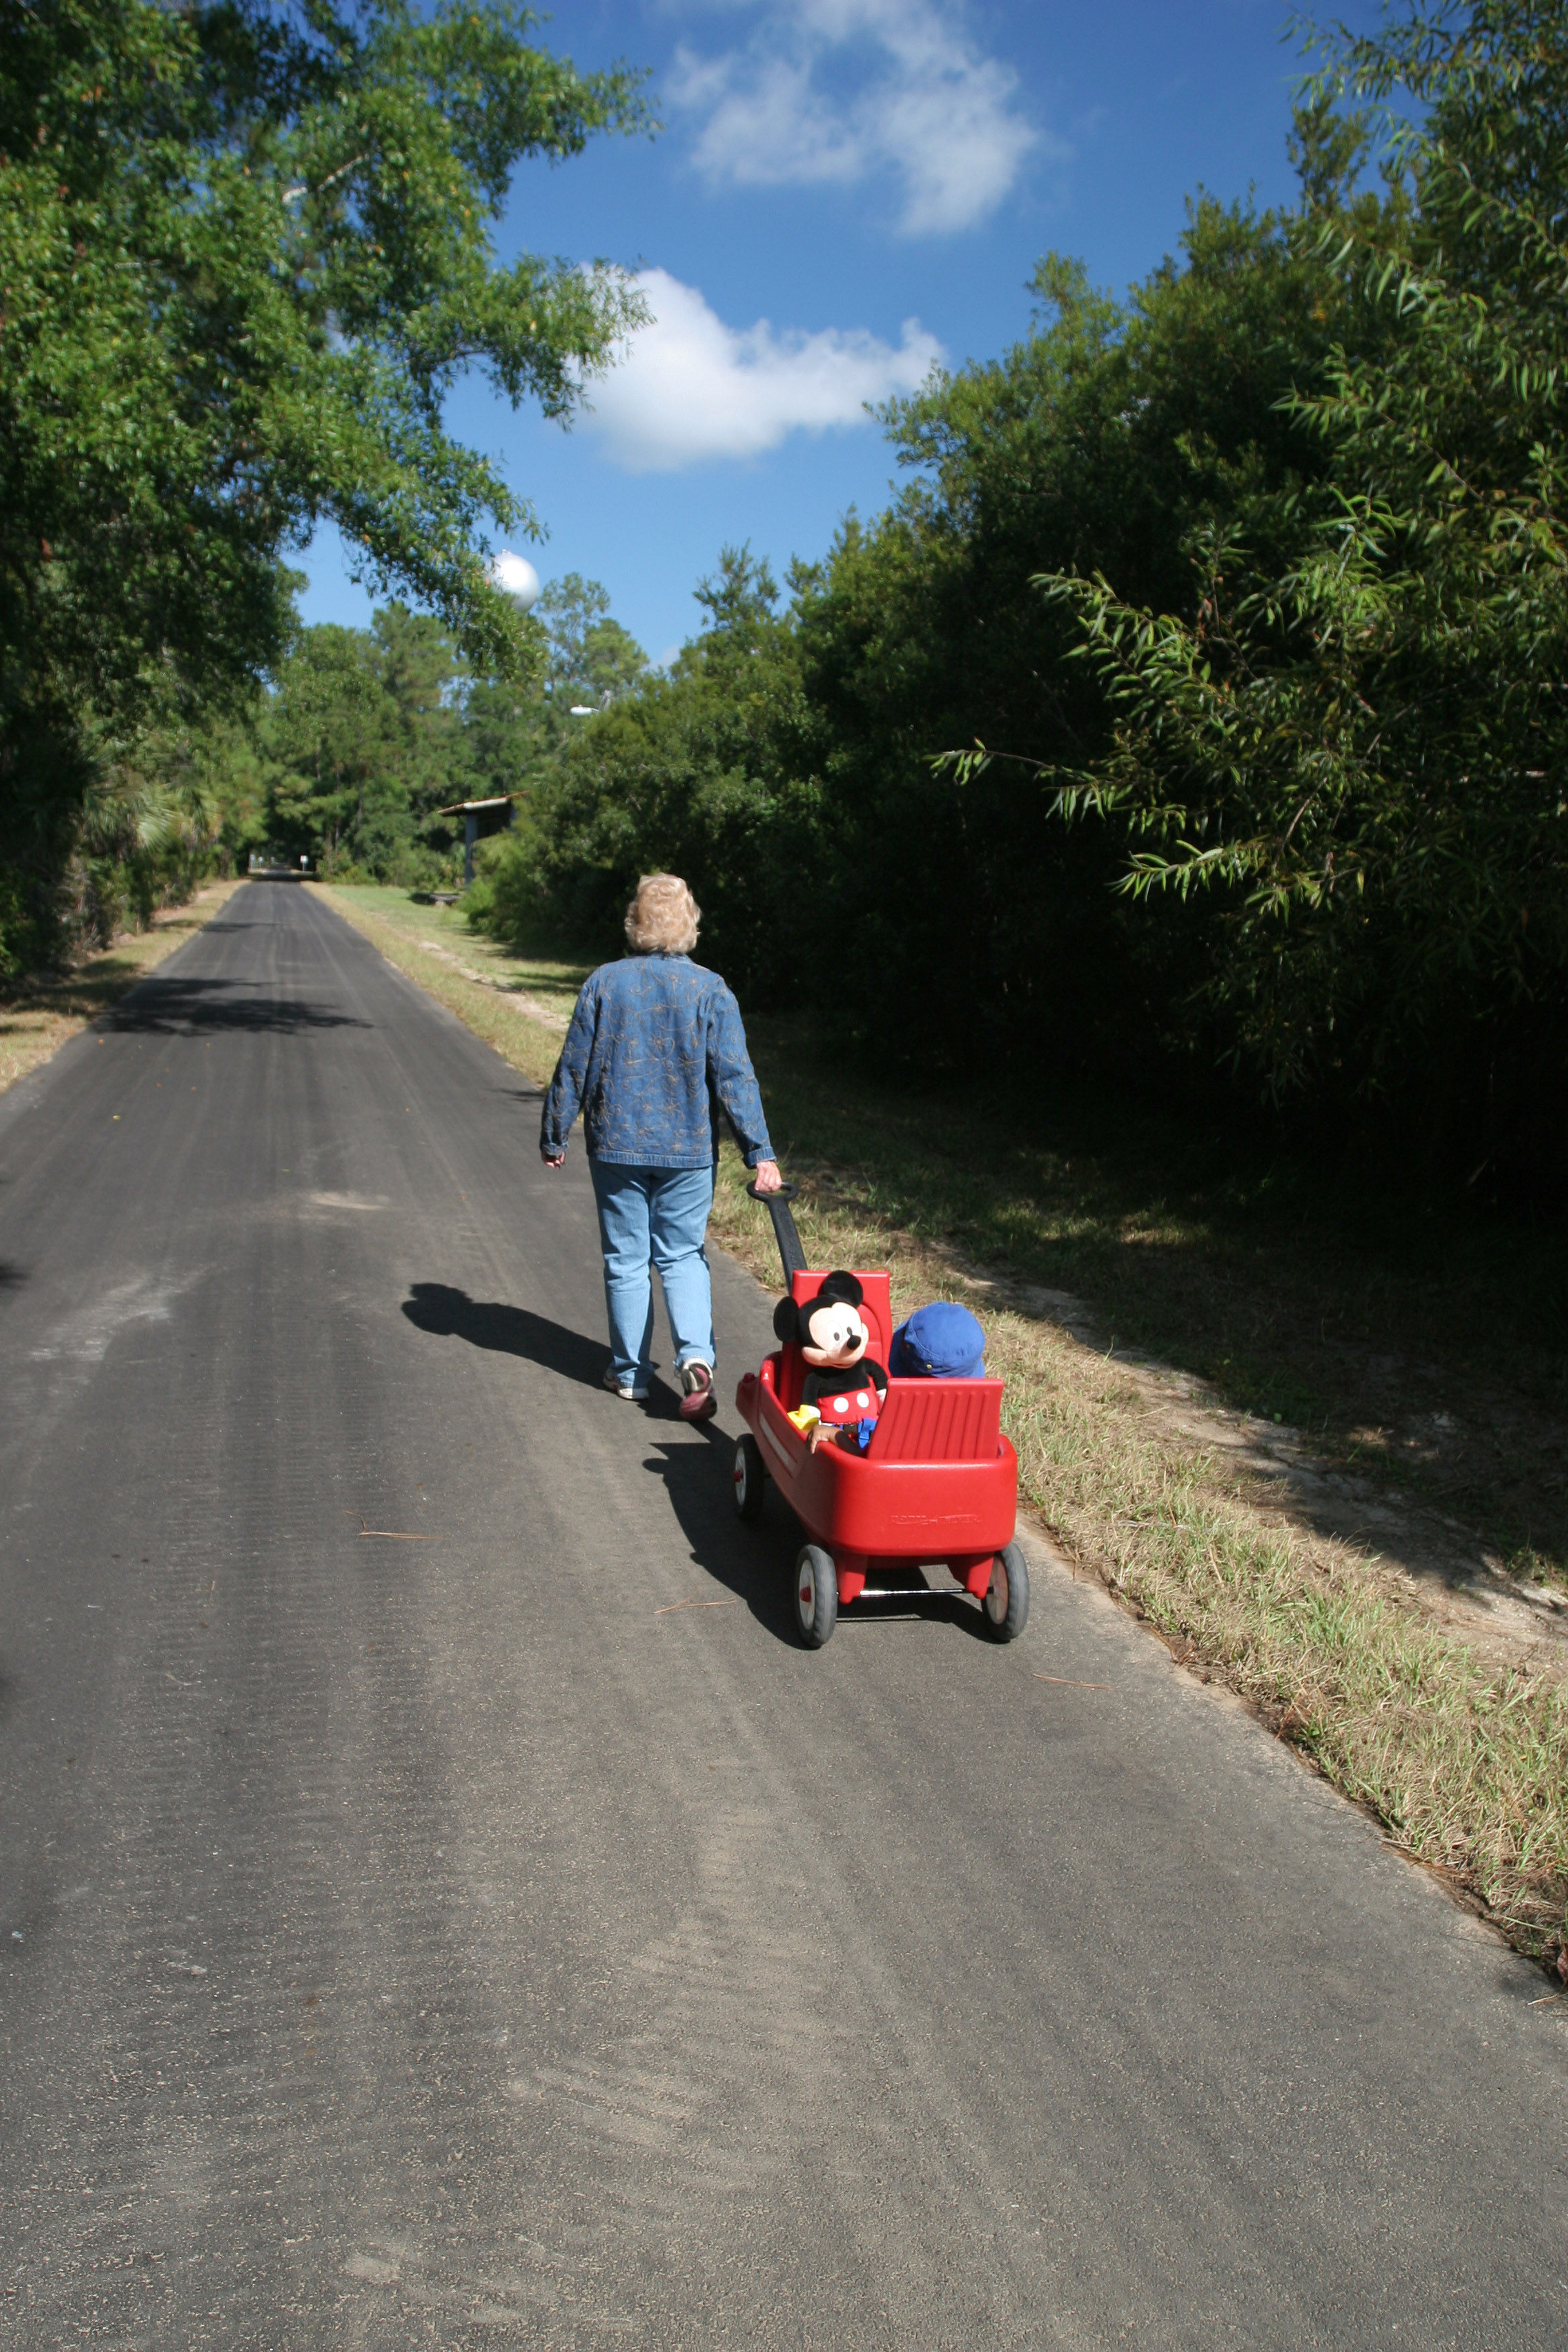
478 823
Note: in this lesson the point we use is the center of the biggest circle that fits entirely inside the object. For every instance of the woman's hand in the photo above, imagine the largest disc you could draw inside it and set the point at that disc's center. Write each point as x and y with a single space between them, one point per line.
766 1178
552 1159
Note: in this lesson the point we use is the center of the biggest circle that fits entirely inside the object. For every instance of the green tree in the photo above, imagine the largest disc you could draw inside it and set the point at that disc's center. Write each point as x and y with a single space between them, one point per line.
367 737
738 598
695 772
244 251
332 734
426 679
1109 439
1355 755
590 657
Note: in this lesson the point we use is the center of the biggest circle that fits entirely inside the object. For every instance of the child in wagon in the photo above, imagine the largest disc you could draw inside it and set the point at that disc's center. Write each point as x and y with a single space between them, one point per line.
939 1342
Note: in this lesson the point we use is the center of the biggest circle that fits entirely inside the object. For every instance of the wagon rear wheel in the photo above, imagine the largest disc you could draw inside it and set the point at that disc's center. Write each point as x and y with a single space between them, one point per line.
751 1479
816 1596
1006 1603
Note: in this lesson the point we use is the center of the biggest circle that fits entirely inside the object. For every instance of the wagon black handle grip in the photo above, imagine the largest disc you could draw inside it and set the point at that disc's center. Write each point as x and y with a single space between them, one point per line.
789 1242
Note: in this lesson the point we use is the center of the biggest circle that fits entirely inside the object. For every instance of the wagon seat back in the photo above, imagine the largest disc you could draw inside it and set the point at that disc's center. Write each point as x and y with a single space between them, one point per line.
939 1420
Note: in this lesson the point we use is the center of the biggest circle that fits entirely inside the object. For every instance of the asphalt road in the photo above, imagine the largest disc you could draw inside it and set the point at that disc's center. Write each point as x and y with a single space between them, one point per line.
410 1936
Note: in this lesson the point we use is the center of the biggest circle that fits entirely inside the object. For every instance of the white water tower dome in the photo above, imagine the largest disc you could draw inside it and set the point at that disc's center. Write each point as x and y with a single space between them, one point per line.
515 576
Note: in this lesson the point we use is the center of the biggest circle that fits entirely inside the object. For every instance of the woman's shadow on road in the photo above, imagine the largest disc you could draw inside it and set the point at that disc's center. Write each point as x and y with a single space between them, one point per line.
696 1462
436 1307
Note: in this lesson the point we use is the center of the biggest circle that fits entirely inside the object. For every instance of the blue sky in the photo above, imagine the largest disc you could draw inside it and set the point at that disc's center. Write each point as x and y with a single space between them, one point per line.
844 191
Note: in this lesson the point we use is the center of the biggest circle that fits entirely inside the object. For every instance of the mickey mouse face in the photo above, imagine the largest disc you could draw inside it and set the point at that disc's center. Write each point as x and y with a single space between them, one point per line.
833 1334
829 1328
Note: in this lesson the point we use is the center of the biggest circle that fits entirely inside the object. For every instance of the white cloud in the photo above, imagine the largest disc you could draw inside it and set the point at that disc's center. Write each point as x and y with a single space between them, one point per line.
690 388
933 110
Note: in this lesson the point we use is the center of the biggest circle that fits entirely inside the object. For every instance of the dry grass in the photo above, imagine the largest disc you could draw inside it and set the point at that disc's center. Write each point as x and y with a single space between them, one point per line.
1462 1759
36 1020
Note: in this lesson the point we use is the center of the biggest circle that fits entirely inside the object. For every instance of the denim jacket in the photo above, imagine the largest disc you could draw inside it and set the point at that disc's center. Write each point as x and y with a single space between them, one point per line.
654 1051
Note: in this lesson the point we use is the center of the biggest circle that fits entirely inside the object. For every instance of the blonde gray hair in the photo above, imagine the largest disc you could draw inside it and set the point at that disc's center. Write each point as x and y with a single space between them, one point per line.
662 918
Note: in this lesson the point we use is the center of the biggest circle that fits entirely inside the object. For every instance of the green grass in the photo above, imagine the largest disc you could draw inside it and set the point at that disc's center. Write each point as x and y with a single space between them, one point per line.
549 983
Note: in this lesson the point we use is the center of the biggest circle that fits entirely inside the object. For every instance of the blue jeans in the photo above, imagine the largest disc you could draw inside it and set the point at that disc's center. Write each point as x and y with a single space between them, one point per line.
654 1216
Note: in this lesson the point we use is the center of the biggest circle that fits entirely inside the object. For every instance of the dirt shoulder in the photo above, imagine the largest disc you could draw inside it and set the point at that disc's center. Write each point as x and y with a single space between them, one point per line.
36 1018
1380 1630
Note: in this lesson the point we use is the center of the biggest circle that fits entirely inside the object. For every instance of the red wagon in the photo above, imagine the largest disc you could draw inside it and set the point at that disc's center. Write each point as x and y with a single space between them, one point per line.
936 1487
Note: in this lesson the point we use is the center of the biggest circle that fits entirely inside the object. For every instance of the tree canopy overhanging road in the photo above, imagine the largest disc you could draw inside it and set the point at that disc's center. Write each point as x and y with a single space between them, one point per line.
435 1896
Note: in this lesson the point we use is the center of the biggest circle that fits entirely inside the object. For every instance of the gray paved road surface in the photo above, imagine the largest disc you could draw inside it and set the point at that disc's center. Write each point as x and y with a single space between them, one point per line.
409 1941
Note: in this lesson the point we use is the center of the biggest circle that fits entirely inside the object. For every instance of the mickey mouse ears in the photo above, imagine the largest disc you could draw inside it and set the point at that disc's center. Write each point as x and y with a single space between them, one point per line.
839 1289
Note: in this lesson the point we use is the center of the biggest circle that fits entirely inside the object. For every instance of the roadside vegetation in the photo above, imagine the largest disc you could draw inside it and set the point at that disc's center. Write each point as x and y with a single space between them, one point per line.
520 1004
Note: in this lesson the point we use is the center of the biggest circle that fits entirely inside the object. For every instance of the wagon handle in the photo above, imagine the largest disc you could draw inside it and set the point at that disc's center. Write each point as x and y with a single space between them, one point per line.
789 1242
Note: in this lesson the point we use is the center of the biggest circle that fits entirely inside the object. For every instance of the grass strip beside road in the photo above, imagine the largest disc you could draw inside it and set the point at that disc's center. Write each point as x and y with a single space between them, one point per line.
1462 1758
518 1004
36 1018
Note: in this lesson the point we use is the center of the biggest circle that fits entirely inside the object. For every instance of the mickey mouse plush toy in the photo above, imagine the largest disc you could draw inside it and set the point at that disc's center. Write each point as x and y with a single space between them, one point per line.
843 1387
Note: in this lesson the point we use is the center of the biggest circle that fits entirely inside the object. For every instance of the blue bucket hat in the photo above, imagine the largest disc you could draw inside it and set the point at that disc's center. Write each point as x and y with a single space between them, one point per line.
939 1342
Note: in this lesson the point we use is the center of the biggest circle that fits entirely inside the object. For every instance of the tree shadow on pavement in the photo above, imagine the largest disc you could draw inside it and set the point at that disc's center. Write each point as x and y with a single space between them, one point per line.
436 1307
183 1007
752 1562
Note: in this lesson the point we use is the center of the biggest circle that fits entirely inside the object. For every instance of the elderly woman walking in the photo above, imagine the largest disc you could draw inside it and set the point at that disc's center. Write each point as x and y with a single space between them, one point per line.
655 1050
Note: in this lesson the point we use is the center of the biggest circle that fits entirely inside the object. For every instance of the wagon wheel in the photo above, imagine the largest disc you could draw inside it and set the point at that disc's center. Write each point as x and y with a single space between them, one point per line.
816 1596
1006 1603
751 1479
